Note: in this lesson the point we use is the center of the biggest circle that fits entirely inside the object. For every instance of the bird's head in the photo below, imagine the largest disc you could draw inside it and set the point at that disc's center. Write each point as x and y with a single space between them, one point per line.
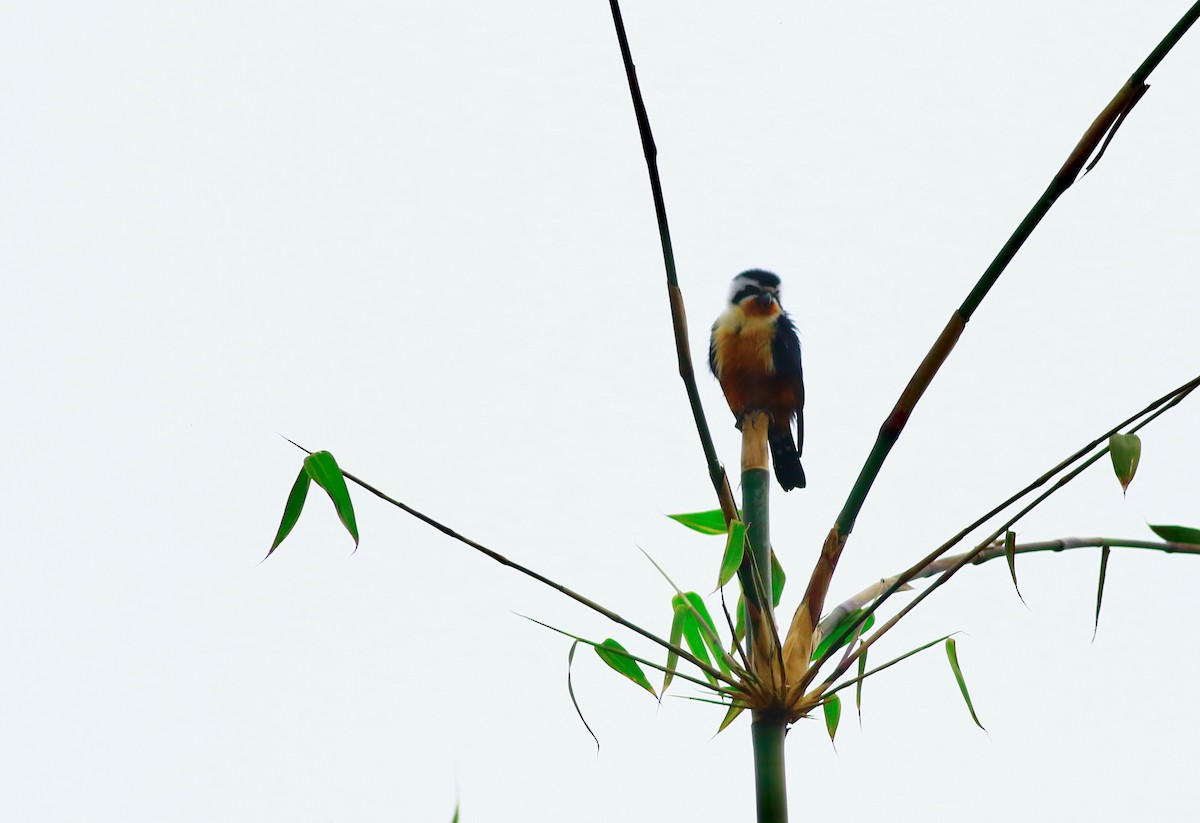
756 292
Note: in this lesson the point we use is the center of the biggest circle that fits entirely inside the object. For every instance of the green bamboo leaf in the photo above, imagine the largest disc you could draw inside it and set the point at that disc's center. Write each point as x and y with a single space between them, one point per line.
778 578
952 653
1105 551
455 818
735 547
846 622
574 702
1125 451
734 710
710 522
1010 554
833 714
694 639
708 630
697 603
739 627
1178 534
862 670
695 642
323 469
677 621
614 654
291 509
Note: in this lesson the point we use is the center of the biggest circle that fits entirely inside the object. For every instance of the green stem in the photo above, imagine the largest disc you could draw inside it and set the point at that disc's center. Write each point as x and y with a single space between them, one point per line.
755 572
770 783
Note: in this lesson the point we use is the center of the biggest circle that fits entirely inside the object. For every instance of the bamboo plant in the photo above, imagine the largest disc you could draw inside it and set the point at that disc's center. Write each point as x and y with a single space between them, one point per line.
784 673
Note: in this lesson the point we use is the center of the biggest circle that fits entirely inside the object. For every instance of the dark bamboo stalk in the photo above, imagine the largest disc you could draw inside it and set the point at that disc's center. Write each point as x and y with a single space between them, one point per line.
716 472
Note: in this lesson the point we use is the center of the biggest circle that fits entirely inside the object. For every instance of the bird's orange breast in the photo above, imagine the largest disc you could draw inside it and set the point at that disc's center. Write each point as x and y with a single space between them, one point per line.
746 366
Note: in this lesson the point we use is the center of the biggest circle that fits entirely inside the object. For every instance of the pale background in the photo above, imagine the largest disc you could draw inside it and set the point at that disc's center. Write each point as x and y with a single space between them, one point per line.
420 235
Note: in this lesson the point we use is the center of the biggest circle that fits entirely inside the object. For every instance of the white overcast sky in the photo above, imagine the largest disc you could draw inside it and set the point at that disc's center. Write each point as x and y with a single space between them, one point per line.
419 234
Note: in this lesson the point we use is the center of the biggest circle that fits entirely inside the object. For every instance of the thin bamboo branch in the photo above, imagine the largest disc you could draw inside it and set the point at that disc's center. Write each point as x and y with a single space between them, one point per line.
701 623
968 557
884 666
1149 413
992 552
643 661
996 551
1105 123
716 471
733 632
504 561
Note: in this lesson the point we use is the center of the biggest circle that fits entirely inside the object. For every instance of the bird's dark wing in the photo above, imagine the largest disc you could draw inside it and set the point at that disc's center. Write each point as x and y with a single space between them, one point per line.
785 350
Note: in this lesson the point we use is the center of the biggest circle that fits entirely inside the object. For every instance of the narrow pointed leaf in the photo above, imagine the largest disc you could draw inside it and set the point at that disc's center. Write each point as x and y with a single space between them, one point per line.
574 702
697 603
731 715
735 547
1104 553
677 621
952 653
1125 451
1178 534
1010 554
778 578
614 654
739 627
455 818
626 655
833 714
710 522
695 641
858 686
323 469
292 509
709 630
826 643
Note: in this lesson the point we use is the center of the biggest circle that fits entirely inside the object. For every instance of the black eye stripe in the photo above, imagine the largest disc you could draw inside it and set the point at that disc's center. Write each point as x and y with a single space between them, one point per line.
746 291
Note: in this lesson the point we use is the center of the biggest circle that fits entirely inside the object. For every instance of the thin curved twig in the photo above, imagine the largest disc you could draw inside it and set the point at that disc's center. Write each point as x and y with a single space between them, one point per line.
992 552
504 561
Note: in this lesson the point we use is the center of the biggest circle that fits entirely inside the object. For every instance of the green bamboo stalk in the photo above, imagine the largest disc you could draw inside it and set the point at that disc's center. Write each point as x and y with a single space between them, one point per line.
770 783
1093 139
755 571
766 654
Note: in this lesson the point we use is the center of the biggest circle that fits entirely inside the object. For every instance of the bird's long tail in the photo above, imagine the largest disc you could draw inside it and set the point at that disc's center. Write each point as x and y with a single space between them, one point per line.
786 458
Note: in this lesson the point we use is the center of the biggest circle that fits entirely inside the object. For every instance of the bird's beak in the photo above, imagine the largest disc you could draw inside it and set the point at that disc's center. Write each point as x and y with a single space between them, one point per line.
765 299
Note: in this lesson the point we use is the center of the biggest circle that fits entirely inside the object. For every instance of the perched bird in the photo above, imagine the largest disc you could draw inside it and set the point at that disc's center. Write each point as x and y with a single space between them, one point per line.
755 354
